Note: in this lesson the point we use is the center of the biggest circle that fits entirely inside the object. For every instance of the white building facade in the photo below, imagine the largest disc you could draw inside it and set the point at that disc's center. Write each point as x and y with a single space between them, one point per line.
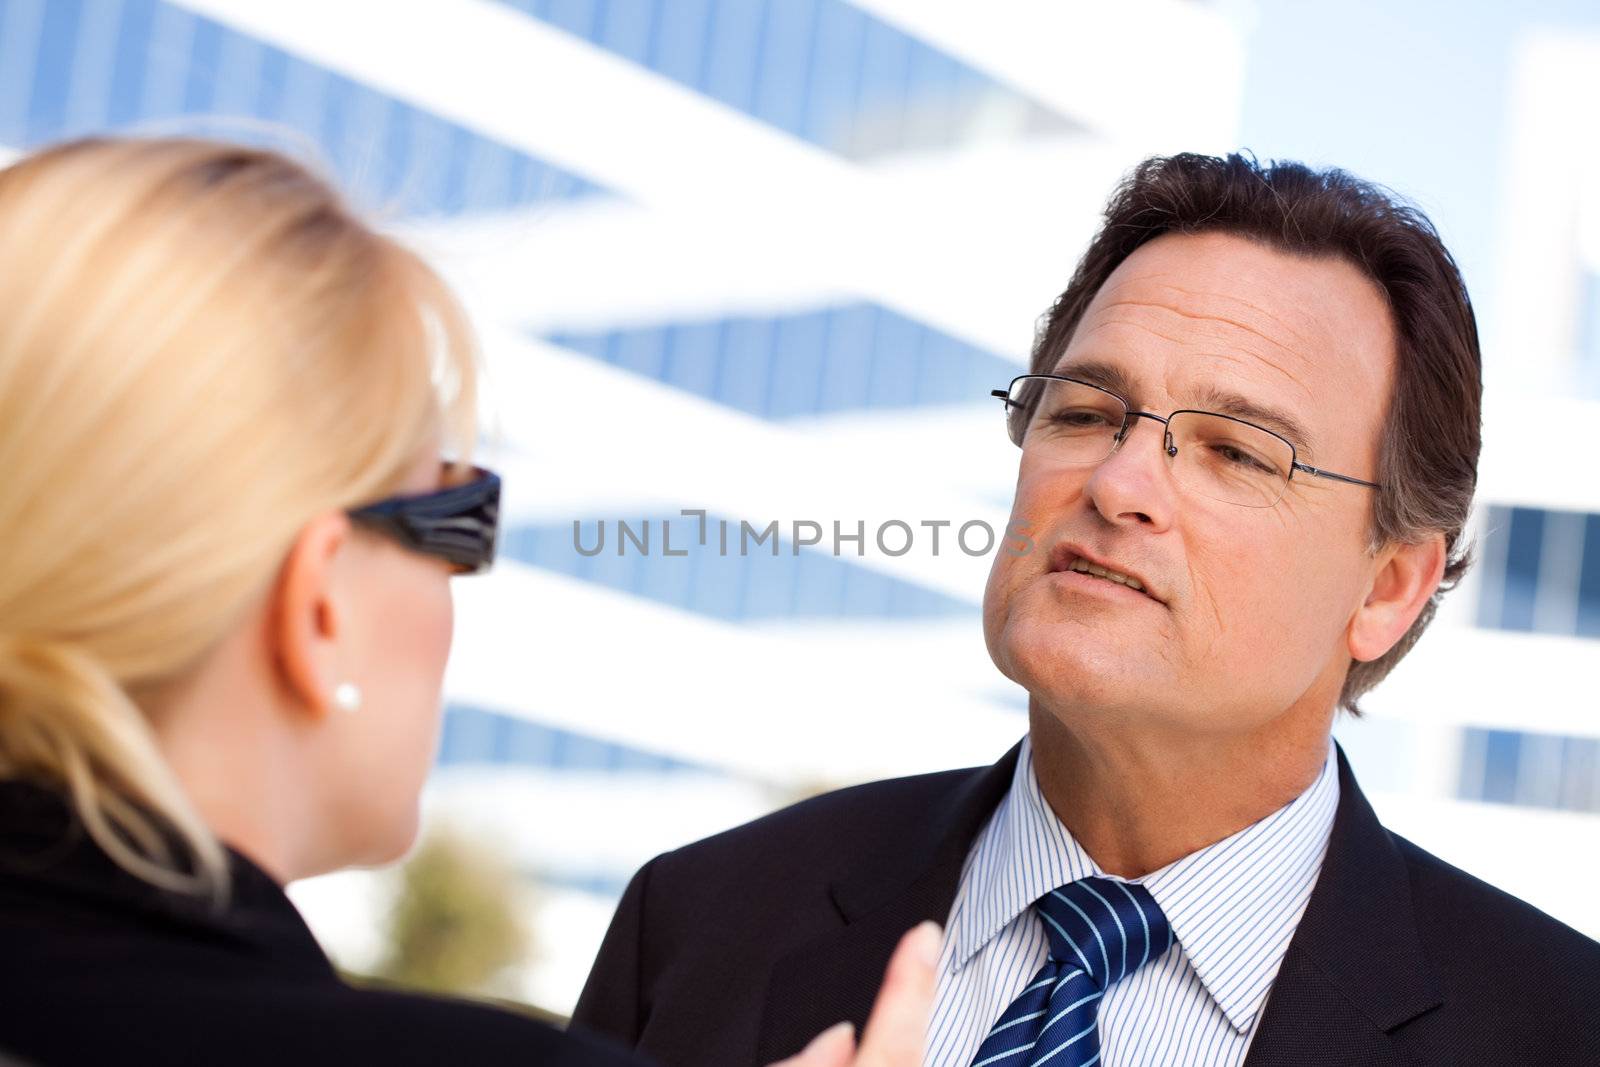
745 272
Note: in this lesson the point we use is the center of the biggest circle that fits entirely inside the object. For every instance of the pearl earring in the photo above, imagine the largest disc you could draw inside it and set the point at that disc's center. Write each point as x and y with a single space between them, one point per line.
347 697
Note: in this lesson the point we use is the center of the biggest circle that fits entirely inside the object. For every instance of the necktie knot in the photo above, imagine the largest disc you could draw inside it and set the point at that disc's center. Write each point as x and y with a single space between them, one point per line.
1110 929
1100 932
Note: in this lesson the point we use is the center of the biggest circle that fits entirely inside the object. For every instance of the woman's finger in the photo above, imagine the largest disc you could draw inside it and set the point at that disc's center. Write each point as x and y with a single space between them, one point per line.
899 1023
834 1047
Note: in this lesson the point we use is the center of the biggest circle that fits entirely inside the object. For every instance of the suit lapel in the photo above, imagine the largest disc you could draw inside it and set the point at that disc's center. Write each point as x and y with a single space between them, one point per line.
836 977
1355 971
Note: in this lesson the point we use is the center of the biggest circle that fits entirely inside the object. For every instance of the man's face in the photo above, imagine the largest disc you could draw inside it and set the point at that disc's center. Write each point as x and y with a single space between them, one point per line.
1246 610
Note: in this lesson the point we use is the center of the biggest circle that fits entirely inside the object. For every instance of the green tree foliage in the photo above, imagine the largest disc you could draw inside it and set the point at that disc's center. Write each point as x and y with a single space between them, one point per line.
456 925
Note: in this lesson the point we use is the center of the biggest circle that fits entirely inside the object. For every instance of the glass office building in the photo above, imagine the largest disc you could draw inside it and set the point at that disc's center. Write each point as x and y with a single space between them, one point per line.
746 271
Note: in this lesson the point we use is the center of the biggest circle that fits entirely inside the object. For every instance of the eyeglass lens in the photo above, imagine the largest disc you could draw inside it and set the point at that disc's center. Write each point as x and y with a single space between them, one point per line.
1072 424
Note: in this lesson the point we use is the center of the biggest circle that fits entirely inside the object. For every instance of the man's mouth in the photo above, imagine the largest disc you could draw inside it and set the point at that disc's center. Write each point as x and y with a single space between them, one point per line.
1070 557
1083 566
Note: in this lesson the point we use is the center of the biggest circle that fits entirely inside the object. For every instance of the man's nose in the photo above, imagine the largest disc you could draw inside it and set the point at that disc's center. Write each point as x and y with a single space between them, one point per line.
1134 484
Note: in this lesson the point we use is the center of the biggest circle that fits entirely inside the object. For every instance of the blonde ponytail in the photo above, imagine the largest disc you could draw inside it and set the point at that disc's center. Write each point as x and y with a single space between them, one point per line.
65 720
202 348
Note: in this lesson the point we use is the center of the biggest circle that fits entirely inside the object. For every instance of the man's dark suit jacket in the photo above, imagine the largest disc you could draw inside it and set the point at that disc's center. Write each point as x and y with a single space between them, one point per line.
98 968
738 949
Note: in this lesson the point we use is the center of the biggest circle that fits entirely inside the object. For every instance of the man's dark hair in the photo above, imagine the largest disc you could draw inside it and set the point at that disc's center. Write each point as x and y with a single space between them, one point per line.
1428 459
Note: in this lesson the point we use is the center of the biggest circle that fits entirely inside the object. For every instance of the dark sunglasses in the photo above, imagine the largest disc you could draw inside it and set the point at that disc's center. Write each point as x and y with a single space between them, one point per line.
459 525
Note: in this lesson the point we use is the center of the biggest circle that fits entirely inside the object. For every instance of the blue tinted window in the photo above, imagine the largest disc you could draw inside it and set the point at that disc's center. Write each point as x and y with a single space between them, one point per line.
1522 569
69 69
1580 775
1589 580
799 347
474 735
1518 574
1502 752
678 44
822 70
803 363
1530 770
47 100
748 582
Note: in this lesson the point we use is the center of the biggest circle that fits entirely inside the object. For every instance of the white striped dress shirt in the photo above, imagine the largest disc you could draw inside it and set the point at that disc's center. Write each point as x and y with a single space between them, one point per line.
1233 907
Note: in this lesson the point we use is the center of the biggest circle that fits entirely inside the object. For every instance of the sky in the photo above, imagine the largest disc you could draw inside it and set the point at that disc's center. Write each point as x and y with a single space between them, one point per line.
1413 95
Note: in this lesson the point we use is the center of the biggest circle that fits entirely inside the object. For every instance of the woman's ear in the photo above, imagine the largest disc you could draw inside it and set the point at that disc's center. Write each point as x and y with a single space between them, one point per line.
307 624
1407 576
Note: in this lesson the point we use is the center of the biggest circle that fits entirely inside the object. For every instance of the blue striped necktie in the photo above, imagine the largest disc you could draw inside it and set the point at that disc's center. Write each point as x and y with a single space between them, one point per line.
1100 932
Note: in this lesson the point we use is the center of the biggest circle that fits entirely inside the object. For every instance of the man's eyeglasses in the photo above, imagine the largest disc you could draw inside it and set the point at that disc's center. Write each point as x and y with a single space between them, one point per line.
1076 424
459 524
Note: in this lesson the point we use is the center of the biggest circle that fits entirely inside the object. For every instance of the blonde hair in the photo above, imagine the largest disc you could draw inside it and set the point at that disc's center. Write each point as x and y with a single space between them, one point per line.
202 348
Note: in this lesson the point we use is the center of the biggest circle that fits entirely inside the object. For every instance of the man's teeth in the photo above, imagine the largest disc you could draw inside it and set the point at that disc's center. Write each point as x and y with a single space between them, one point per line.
1083 566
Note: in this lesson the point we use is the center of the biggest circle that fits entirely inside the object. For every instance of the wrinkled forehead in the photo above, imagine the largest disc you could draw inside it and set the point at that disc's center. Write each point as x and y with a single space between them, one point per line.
1187 319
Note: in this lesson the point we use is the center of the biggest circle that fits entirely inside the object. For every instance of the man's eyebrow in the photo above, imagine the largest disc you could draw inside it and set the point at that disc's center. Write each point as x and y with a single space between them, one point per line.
1107 376
1285 425
1114 379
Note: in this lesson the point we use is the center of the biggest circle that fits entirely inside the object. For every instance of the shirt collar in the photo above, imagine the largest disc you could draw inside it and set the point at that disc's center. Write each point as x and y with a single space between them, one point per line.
1022 854
1233 905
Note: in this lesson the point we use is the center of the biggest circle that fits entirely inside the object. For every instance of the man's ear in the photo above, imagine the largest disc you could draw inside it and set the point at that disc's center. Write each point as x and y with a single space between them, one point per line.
1407 576
307 624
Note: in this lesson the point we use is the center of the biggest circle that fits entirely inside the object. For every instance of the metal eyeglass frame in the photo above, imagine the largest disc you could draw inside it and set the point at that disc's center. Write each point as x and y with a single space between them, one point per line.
459 524
1168 447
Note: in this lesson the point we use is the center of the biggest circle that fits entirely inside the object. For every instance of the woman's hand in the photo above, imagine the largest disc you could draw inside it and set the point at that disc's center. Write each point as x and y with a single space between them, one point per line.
899 1022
